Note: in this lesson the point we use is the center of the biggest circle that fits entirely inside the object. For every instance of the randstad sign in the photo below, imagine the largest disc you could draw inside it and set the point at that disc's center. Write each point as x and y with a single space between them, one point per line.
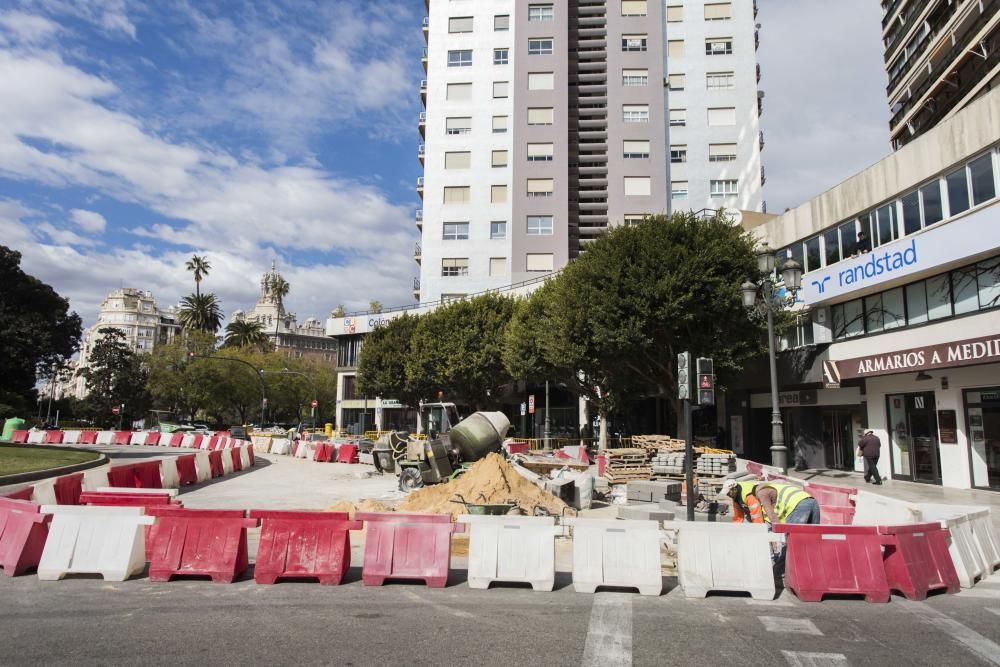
964 238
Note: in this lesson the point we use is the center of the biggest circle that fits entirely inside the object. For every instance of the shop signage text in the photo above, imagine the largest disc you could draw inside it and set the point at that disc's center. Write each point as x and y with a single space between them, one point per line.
960 353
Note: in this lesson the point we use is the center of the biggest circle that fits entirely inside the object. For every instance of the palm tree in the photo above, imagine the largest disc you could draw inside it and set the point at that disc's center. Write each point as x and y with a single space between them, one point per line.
200 267
279 288
244 333
374 306
200 312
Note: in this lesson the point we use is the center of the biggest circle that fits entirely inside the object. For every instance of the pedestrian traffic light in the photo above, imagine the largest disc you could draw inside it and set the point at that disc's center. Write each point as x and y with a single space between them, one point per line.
706 382
684 376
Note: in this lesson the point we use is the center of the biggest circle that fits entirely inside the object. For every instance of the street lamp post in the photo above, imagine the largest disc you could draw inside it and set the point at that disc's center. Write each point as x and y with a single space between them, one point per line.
772 301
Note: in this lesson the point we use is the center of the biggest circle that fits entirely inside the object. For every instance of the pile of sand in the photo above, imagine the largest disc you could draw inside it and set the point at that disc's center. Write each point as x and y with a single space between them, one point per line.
490 481
363 506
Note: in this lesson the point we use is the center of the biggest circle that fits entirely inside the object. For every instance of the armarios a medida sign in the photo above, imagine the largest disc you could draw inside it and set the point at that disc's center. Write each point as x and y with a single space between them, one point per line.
946 355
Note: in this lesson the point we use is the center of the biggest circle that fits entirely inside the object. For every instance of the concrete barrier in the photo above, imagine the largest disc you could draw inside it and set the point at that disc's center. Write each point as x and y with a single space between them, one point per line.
94 540
96 478
36 437
519 549
44 492
137 438
724 557
104 437
203 466
871 509
616 553
71 437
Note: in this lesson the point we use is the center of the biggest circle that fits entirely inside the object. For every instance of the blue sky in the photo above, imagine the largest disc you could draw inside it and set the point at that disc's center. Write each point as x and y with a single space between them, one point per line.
133 134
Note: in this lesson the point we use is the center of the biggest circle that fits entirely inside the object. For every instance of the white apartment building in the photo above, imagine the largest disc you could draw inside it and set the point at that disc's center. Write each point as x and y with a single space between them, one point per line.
547 122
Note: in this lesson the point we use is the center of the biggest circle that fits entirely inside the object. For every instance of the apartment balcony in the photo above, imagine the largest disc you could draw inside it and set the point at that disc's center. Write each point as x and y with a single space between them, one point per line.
426 26
763 176
760 138
417 253
423 91
418 218
423 59
756 39
421 150
416 289
420 186
422 123
758 73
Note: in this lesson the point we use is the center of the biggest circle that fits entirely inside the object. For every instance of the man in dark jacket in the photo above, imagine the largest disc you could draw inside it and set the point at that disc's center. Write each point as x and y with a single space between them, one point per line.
871 447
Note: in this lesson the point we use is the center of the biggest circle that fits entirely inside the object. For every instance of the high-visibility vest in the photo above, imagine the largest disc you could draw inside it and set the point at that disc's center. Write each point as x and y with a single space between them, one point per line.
749 508
789 496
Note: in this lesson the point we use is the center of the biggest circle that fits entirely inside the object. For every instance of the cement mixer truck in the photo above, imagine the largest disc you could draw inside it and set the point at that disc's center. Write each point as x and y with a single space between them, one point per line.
442 455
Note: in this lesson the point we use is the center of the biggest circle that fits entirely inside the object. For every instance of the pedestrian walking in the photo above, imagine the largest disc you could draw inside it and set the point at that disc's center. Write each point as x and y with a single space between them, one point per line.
870 448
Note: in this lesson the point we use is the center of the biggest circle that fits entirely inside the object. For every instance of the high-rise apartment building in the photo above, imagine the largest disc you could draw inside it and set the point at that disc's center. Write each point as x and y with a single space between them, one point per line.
548 122
940 55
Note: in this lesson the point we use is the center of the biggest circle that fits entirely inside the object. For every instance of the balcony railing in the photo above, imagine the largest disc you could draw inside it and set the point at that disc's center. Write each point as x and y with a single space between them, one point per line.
417 251
416 284
419 215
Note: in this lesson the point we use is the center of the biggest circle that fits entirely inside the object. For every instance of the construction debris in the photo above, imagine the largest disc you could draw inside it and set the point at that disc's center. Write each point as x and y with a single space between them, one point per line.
624 465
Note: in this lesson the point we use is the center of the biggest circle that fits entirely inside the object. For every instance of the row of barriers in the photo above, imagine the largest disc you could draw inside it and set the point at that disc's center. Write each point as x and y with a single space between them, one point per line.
147 438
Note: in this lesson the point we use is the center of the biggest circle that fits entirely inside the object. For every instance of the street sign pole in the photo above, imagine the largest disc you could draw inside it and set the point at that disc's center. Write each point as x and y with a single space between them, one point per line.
689 457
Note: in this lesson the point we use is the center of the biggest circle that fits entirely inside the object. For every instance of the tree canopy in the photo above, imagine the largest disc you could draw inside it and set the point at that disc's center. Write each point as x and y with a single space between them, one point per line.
200 312
199 266
382 366
115 376
246 333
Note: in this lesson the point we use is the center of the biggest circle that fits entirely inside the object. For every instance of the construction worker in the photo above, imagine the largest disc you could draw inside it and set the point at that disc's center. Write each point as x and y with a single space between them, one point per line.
786 503
746 507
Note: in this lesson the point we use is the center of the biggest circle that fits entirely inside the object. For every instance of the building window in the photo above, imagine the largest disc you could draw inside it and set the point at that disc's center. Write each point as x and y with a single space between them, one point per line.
460 58
633 7
676 82
981 178
678 154
722 116
541 81
454 266
721 152
452 297
540 187
887 227
457 160
675 14
499 159
635 113
456 194
460 24
498 230
459 91
719 46
634 42
501 22
675 48
499 124
678 117
541 46
541 116
720 80
534 261
719 11
638 186
633 219
498 266
635 149
455 231
498 194
725 187
539 13
678 189
458 125
500 89
635 78
539 225
501 56
930 199
540 152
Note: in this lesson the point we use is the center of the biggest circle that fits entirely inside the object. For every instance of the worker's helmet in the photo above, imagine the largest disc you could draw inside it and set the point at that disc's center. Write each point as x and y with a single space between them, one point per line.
730 488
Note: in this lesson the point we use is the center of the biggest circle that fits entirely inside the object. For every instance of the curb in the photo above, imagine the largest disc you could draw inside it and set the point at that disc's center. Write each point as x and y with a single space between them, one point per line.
34 476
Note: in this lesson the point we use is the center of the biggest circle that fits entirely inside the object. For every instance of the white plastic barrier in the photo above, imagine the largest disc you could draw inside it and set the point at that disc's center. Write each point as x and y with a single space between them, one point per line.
138 438
44 492
227 461
261 443
206 443
94 540
304 449
139 492
281 446
965 553
168 473
724 557
105 437
36 437
872 509
71 437
519 549
96 478
187 440
616 553
202 466
981 530
244 457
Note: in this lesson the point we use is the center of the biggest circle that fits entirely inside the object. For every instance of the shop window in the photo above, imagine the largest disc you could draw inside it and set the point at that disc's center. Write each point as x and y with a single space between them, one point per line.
989 283
893 309
938 297
965 288
874 314
916 303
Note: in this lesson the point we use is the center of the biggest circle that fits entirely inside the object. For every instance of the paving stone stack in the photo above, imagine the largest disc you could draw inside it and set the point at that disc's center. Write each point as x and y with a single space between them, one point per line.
669 464
715 465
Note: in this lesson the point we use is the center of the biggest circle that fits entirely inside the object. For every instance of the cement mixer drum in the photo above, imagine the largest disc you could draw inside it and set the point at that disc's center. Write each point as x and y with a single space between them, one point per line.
479 434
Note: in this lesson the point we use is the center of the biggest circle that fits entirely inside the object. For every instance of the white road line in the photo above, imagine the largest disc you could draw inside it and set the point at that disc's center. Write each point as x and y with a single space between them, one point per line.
798 626
802 659
994 610
969 638
769 603
440 607
609 637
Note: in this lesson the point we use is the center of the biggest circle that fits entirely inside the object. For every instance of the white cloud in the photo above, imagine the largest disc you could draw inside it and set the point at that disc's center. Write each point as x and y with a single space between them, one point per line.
88 220
110 15
23 28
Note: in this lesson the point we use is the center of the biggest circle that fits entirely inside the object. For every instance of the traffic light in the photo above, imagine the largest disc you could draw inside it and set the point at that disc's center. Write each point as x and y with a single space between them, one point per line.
706 382
684 376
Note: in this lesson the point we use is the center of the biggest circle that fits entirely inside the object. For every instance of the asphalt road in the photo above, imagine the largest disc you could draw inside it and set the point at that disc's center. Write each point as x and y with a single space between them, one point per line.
85 621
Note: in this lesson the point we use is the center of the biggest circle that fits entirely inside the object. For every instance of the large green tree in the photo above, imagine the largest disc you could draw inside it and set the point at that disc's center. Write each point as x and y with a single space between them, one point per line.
199 267
246 333
37 333
115 376
382 365
200 312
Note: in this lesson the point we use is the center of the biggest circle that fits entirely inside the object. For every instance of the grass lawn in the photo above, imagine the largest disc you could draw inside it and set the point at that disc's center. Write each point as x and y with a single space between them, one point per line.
16 460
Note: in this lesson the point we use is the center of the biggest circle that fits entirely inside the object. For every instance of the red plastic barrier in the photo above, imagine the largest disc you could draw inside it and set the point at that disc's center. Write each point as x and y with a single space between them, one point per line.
112 499
148 475
68 489
53 438
196 443
198 542
234 453
153 438
834 560
324 452
347 454
836 507
122 476
917 559
22 535
88 438
407 546
518 448
253 459
121 438
176 439
213 442
303 544
23 493
215 463
19 437
602 463
187 471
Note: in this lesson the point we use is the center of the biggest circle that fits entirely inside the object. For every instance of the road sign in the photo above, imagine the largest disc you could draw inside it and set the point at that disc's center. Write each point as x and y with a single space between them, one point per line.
531 404
524 409
315 403
706 381
115 410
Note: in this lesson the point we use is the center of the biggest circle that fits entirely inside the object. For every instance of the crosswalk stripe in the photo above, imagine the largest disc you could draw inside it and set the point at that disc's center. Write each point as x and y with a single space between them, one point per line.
967 637
609 636
799 626
803 659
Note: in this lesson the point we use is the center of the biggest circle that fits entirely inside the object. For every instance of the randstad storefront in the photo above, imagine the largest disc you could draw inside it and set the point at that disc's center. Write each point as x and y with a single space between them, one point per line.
900 300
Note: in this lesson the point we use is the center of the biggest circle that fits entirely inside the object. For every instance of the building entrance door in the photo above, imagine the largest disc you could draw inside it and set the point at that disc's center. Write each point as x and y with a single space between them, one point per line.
914 435
982 419
839 427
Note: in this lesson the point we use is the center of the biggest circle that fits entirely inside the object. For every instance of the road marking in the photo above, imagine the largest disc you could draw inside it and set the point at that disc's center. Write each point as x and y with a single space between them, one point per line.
798 626
980 593
994 610
770 603
440 607
609 637
969 638
802 659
